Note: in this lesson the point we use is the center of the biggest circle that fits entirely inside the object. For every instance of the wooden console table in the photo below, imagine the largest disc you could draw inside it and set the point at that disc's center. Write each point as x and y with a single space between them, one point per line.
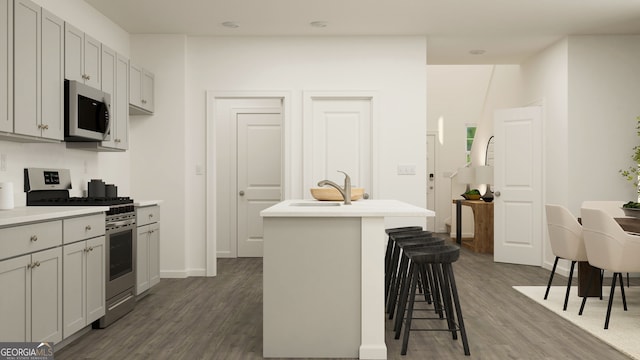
482 241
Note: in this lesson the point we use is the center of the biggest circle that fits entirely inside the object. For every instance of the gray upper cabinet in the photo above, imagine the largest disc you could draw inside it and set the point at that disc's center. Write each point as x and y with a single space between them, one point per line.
6 65
115 81
52 82
122 102
82 57
141 90
38 65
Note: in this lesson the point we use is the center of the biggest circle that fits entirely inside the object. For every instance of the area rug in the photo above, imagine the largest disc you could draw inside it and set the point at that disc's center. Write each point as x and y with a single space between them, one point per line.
624 326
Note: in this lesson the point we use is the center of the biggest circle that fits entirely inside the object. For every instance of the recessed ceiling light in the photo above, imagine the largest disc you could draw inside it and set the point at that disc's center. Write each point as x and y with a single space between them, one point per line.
319 24
477 52
231 24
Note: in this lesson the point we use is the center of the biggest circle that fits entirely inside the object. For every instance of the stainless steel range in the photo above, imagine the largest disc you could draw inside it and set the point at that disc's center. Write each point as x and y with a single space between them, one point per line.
50 187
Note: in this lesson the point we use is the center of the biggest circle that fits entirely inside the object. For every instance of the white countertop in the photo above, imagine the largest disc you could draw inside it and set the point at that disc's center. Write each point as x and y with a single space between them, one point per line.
360 208
25 214
144 203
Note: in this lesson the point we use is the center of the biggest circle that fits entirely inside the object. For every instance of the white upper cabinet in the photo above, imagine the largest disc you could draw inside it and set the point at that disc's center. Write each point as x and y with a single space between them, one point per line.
122 103
115 81
82 57
27 69
141 90
52 82
38 59
6 65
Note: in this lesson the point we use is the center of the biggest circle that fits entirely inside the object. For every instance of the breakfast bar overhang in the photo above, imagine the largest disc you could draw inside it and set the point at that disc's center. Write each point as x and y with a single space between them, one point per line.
323 272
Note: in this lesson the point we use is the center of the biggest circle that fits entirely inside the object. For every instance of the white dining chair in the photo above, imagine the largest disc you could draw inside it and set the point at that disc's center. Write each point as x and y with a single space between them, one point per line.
610 248
565 236
612 208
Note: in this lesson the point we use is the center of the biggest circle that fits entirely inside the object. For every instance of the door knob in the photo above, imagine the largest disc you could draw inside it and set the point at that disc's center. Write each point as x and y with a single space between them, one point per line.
241 193
496 194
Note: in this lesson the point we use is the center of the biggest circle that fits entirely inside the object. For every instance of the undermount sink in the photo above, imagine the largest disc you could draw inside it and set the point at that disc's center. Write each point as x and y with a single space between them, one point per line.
316 204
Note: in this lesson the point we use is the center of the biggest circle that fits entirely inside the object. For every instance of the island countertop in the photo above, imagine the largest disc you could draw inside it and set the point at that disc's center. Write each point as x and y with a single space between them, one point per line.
360 208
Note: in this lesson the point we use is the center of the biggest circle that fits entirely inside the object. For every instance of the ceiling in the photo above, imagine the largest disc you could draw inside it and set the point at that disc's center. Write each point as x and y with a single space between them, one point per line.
507 30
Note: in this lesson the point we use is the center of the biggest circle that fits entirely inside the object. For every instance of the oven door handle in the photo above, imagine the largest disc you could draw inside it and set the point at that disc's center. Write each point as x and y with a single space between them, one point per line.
120 223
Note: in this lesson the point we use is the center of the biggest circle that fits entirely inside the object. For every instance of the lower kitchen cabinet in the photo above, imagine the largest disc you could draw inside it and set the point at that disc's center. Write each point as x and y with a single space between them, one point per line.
148 248
31 297
84 284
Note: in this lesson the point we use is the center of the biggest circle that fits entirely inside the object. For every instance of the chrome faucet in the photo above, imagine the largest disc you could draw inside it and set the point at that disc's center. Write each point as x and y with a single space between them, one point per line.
346 192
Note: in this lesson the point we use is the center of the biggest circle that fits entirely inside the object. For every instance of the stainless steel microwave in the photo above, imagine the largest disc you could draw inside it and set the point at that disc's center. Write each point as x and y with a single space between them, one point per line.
86 112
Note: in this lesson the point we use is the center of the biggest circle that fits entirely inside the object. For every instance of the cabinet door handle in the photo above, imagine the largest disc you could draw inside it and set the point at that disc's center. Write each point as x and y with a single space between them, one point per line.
90 248
150 216
33 265
34 238
46 127
87 228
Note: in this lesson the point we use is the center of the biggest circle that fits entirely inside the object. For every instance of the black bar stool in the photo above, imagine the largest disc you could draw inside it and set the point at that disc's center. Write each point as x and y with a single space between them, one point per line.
441 257
390 244
399 277
392 268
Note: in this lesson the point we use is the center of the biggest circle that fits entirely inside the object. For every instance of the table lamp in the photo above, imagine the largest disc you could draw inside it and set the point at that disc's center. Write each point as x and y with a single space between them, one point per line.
484 175
465 176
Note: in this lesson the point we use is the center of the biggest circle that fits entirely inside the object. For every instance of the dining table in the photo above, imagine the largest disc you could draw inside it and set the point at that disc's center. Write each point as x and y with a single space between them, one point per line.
628 224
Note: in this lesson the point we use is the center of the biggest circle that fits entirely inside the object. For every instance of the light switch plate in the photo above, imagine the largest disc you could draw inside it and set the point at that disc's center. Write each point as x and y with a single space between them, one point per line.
406 169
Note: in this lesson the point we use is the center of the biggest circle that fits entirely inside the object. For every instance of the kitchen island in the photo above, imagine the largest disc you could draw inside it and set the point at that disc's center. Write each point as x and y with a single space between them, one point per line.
324 277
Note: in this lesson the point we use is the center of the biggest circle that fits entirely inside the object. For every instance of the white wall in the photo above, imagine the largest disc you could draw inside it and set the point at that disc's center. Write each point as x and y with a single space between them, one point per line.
604 93
158 149
168 146
84 165
391 66
588 86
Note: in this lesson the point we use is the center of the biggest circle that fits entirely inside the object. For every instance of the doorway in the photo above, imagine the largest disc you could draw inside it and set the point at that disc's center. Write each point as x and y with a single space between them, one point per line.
245 147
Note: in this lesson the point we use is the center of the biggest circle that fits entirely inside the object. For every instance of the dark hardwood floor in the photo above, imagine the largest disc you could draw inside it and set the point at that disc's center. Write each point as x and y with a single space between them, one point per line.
221 318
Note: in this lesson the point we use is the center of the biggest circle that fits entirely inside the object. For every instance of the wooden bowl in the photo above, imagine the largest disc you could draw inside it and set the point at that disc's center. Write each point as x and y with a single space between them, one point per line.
471 196
332 194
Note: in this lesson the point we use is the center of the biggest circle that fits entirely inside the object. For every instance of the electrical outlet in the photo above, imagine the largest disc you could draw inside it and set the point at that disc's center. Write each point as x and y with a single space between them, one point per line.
406 169
3 162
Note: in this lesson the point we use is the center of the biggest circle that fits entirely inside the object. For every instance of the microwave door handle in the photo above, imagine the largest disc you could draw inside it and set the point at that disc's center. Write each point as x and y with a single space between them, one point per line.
107 128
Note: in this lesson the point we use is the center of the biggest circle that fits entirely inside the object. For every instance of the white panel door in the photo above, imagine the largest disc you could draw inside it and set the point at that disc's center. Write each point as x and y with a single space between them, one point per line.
259 164
518 186
341 140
